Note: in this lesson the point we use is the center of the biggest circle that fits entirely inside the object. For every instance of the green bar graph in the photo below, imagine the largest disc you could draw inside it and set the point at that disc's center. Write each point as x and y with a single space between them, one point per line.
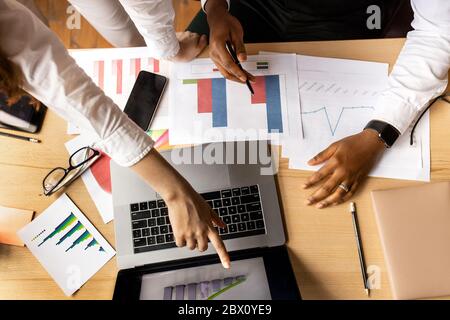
61 227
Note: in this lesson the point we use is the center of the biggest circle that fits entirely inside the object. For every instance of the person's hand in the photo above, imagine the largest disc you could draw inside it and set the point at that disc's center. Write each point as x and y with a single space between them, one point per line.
192 221
224 27
191 45
347 162
191 217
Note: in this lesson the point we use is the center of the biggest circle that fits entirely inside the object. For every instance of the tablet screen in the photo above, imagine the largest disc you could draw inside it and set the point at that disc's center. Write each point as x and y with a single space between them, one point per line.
246 280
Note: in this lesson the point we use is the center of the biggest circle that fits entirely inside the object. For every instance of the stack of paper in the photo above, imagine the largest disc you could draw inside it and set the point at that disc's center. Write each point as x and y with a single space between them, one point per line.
204 107
303 103
338 98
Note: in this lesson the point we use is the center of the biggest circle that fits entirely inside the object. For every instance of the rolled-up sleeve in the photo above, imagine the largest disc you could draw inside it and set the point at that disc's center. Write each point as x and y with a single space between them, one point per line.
155 21
53 77
421 71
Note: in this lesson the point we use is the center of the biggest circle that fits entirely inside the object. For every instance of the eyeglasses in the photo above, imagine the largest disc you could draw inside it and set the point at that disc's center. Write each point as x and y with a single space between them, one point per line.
59 177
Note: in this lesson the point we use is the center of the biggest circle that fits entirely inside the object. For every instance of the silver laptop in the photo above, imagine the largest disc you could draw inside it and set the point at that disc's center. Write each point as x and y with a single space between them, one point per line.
233 185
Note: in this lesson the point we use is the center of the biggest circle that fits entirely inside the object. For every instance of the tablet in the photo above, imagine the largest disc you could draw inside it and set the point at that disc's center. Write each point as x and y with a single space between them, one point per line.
255 274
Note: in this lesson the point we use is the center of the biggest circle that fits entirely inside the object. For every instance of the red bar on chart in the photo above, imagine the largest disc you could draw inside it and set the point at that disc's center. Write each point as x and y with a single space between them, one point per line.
260 90
117 71
99 73
204 95
154 63
135 67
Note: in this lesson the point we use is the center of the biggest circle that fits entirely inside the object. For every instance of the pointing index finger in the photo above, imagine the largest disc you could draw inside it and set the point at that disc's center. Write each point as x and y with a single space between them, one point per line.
217 242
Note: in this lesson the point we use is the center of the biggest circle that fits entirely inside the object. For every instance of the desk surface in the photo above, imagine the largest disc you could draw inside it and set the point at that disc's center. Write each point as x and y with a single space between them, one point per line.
321 242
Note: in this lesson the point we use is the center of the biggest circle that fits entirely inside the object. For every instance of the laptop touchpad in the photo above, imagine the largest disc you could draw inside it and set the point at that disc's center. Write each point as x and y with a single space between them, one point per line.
203 177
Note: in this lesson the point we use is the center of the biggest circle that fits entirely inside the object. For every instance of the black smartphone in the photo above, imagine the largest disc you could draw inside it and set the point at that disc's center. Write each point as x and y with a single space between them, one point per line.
144 98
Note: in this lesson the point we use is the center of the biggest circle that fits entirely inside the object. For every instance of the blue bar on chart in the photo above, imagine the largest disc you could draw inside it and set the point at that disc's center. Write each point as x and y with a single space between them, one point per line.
273 104
219 103
179 292
192 291
167 293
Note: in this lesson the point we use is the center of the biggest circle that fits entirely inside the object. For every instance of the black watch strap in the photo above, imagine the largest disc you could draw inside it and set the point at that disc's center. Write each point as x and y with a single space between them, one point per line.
387 133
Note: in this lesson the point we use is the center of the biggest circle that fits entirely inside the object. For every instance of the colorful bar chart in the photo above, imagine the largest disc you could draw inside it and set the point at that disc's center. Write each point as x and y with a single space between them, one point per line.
75 225
74 229
204 290
60 227
212 98
84 237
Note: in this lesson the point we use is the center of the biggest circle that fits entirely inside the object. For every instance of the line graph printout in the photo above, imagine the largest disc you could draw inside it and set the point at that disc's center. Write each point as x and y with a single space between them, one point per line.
338 98
204 107
66 244
115 71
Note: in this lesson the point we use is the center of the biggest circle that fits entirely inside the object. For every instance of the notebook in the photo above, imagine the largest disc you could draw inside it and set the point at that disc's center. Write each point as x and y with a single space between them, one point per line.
11 221
414 227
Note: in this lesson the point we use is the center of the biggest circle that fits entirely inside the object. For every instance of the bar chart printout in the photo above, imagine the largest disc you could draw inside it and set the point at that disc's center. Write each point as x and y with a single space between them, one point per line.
212 99
205 107
66 243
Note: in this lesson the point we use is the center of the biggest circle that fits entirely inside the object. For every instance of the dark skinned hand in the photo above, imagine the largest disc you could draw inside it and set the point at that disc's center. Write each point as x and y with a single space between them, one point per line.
346 161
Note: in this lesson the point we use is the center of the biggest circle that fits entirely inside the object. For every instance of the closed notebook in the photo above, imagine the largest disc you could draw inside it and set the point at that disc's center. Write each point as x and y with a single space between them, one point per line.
414 227
11 221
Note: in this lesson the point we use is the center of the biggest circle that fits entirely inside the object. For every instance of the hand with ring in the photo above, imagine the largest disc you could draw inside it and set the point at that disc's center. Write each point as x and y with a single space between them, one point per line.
346 163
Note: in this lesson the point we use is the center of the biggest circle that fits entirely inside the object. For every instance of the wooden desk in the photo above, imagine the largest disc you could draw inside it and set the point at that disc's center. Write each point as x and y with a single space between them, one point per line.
321 242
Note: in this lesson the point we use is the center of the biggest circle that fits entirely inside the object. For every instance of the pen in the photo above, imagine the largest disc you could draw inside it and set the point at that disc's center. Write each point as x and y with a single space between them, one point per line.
236 60
15 136
360 251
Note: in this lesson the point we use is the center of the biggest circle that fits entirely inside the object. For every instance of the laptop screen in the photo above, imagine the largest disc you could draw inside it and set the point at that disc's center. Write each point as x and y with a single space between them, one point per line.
247 279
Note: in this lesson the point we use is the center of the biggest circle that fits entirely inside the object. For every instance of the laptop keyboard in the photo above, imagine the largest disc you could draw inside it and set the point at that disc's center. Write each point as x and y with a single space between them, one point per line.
240 208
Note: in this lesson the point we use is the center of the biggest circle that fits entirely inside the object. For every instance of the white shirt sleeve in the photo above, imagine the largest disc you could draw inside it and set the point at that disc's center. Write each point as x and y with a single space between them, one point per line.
421 70
154 20
205 1
53 77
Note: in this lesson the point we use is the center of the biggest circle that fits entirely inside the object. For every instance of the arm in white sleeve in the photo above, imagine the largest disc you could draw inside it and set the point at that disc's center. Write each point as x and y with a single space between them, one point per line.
205 1
155 21
421 70
54 78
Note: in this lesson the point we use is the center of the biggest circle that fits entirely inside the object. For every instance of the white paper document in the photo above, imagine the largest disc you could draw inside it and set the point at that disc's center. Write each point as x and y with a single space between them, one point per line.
66 244
337 99
115 71
205 107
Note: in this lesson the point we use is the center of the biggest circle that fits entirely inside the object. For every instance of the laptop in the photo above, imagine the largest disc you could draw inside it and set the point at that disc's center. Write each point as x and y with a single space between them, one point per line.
234 185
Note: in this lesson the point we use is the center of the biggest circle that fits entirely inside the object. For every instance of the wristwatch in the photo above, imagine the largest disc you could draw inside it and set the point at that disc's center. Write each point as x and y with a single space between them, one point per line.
386 132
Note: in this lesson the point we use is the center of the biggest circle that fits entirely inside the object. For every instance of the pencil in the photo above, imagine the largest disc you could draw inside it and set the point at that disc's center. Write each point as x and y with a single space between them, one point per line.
359 245
15 136
236 60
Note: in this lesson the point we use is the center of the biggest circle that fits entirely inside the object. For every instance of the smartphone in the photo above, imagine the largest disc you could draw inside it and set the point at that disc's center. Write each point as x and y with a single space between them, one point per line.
144 98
